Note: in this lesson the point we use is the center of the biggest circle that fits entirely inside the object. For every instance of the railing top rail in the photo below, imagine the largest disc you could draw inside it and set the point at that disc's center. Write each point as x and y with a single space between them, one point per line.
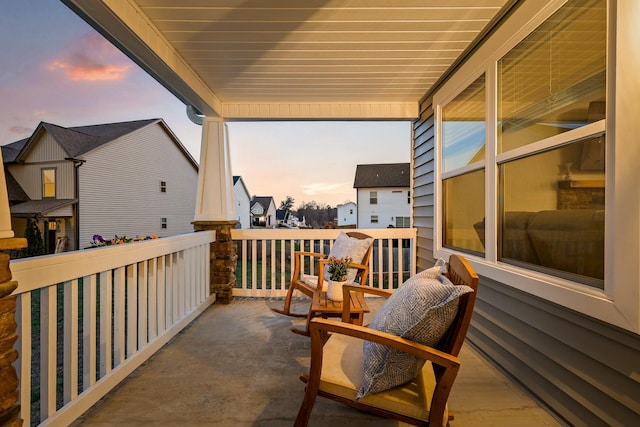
36 272
294 234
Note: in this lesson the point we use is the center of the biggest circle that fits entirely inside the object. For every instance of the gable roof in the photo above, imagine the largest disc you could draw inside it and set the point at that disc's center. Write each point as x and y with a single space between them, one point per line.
382 175
264 201
79 140
237 178
15 191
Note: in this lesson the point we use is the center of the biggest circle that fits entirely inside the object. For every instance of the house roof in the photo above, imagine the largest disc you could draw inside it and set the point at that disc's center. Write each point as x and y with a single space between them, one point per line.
39 207
79 140
14 190
382 175
264 201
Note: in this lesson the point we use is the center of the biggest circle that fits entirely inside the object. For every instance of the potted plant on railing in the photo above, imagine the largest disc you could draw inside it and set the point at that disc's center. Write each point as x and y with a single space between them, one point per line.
337 269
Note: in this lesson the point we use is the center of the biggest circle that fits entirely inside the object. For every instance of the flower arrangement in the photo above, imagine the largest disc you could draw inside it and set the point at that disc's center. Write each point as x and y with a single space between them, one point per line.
97 240
338 267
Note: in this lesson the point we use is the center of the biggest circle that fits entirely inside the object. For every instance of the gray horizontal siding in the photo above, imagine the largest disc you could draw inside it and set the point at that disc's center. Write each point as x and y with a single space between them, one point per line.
583 369
423 177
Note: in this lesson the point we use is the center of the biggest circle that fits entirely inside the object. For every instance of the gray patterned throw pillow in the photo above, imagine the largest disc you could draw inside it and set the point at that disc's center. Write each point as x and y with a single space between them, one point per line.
421 310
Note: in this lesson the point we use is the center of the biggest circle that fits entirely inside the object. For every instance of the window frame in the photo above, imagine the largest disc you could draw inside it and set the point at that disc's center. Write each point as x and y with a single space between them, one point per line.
373 197
617 303
55 182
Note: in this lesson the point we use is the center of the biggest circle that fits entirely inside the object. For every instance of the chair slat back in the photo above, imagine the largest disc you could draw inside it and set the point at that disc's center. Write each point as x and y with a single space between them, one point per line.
460 273
361 275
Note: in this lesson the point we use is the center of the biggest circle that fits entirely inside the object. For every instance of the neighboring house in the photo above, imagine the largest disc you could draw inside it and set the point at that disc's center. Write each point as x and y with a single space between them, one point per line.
263 212
282 217
131 178
347 214
288 219
383 195
242 199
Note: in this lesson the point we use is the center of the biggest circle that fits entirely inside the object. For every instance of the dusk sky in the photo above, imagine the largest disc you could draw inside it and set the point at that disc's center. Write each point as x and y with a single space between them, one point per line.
55 68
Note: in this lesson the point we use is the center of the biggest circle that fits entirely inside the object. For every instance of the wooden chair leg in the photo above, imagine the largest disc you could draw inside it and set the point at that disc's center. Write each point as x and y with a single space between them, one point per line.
286 310
302 420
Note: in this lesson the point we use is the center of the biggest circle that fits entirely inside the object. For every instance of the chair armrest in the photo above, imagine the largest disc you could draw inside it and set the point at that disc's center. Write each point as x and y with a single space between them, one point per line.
314 254
297 261
366 290
346 308
319 328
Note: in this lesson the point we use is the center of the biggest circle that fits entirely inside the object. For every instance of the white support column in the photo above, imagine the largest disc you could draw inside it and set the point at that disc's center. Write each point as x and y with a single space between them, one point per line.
214 200
5 214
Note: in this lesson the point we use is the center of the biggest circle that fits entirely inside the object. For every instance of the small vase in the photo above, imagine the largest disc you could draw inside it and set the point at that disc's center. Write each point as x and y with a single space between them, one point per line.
334 290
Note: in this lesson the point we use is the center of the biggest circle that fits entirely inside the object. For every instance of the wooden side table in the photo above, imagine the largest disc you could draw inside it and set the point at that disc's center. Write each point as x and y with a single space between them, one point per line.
324 307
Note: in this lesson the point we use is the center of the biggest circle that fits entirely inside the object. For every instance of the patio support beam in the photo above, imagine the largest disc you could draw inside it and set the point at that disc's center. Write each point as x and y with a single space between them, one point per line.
215 206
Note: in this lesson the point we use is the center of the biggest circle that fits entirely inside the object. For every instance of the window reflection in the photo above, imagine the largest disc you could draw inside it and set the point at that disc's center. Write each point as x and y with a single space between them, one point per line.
463 127
554 80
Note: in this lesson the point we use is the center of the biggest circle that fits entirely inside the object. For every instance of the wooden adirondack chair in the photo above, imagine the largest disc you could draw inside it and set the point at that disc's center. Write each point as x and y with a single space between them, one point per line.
309 284
337 360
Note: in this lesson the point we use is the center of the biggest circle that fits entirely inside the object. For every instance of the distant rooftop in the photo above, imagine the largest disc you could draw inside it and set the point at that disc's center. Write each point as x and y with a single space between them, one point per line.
382 175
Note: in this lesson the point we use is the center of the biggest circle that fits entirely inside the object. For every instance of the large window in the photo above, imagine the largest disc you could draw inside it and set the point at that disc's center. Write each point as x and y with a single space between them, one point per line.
528 135
463 206
48 183
463 127
463 148
554 80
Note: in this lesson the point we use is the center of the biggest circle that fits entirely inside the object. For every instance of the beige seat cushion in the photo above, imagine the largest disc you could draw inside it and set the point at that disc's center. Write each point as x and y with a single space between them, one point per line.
342 376
312 281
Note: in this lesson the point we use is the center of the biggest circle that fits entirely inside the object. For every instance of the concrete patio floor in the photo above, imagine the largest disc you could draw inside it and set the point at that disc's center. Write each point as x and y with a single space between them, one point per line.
238 365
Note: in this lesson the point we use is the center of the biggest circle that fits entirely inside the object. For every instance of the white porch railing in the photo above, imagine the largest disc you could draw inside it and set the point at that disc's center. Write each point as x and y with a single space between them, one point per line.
87 319
265 264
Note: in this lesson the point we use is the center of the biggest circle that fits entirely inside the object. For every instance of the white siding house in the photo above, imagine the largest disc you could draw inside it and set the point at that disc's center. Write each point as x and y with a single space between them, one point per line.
242 199
347 214
383 195
263 212
150 190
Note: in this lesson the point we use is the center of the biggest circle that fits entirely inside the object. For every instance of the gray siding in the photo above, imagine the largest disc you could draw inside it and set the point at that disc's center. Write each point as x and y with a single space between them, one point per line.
423 176
582 369
120 187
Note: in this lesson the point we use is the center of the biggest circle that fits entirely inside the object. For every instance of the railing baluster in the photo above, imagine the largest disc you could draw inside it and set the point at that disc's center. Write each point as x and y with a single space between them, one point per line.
175 289
161 294
23 364
119 328
181 285
70 347
89 318
152 293
48 351
132 309
106 318
143 304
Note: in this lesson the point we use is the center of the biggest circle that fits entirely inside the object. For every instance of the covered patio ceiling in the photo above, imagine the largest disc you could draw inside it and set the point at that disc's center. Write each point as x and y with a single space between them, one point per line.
294 59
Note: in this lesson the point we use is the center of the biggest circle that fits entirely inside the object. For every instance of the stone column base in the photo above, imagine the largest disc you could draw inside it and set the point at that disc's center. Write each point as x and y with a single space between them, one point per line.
223 258
9 404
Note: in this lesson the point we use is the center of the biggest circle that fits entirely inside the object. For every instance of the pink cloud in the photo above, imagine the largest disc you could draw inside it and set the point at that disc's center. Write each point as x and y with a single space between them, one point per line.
19 130
94 60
